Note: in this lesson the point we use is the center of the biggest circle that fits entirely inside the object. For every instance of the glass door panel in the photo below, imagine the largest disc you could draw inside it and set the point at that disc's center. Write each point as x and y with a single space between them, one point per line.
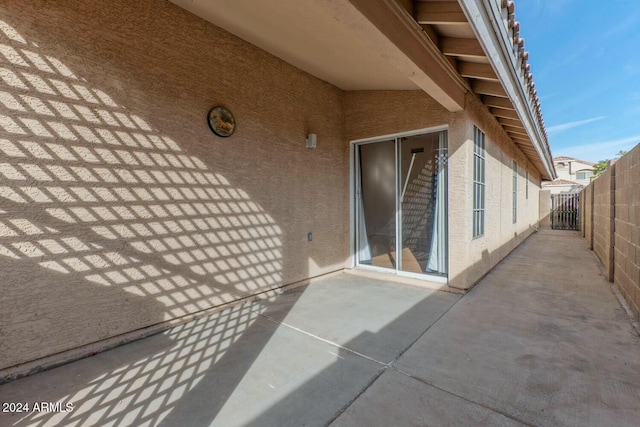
376 204
423 203
401 204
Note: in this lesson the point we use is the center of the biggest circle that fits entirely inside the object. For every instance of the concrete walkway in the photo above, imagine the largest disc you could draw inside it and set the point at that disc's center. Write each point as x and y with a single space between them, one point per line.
541 341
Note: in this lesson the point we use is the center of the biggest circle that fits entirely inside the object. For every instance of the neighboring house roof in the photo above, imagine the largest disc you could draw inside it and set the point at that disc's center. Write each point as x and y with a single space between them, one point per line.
571 159
446 48
560 182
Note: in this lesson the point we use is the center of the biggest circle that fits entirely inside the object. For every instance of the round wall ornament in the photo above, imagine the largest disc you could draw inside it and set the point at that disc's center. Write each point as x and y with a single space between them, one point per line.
221 121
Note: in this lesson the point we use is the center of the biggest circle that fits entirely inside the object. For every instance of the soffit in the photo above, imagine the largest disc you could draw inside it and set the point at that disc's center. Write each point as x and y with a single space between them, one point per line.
516 107
402 44
307 35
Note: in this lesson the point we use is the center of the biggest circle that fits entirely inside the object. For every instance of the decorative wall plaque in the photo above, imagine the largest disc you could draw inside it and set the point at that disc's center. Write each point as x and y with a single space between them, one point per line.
221 121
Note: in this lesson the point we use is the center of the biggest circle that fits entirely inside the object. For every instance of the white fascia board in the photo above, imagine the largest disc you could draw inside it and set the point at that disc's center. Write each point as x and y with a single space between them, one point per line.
492 31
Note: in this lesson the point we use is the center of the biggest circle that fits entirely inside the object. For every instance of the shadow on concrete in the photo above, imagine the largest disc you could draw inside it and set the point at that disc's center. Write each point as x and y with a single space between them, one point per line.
113 213
300 357
541 341
290 359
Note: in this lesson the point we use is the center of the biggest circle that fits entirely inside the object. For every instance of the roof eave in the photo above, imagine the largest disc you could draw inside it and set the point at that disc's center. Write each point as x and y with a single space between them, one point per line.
429 70
493 35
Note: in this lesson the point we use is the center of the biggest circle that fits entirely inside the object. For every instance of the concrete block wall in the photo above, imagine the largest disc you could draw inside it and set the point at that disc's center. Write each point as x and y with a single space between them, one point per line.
602 219
586 222
615 227
627 229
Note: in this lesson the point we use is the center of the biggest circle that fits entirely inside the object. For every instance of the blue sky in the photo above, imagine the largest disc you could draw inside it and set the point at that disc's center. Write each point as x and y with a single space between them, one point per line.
585 60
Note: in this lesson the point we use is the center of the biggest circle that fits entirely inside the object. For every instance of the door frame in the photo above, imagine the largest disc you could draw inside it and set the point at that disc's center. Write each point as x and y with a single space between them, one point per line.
353 167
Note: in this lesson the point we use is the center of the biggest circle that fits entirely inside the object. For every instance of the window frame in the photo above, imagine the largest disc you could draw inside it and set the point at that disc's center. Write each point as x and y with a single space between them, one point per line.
515 192
587 175
479 183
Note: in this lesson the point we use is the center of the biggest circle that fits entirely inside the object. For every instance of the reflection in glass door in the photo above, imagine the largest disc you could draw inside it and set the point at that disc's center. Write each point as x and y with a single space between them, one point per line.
401 204
377 204
423 203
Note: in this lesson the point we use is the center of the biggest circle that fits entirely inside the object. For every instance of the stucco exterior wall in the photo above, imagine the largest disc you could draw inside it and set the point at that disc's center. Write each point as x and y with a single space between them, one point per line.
120 208
567 169
545 208
502 235
370 114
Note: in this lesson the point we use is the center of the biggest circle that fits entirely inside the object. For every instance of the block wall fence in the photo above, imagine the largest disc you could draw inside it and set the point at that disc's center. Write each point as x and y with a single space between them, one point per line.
611 224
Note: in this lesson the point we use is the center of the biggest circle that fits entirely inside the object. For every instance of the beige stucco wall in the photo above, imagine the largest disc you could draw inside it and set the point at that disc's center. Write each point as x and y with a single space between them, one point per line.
544 212
121 210
501 234
369 114
570 169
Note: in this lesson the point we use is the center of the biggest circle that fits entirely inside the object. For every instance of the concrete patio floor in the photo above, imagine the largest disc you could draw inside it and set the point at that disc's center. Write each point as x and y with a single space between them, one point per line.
540 341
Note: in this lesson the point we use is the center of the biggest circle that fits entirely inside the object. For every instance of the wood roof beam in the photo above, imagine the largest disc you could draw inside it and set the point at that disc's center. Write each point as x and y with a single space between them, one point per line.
510 122
522 140
433 35
461 47
413 51
439 12
526 149
484 87
525 146
514 131
507 114
477 71
492 101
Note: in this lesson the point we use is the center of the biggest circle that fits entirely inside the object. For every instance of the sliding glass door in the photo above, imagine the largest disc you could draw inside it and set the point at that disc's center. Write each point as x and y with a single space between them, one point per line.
401 204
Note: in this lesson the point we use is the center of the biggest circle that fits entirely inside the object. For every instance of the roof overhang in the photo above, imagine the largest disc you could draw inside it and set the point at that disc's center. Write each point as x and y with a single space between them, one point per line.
445 47
354 45
498 33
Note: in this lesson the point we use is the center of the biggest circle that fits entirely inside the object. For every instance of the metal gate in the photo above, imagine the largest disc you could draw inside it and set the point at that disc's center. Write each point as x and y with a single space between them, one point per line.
565 211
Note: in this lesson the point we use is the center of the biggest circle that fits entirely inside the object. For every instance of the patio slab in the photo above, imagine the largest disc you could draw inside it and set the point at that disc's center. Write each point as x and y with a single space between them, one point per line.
398 400
371 317
291 359
550 347
541 340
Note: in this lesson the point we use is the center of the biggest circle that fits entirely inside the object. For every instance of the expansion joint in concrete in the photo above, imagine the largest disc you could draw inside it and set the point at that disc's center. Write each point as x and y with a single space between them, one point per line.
357 396
383 365
473 402
426 330
326 341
